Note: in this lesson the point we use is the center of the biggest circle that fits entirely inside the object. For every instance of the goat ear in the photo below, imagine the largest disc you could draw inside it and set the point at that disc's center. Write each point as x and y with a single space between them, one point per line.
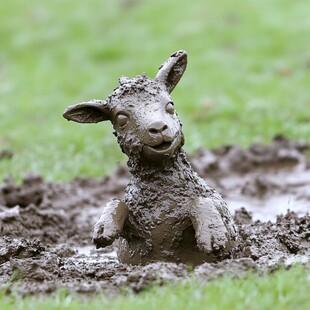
171 71
93 111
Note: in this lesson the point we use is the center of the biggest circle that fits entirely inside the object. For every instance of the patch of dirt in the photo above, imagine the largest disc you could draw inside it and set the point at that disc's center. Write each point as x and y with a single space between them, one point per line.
45 227
6 154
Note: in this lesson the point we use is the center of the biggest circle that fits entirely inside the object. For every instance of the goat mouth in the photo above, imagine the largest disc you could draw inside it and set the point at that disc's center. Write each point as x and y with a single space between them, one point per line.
165 148
162 146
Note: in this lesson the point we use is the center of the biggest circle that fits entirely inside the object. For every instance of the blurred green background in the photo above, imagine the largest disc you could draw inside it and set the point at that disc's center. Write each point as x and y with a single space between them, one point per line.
248 75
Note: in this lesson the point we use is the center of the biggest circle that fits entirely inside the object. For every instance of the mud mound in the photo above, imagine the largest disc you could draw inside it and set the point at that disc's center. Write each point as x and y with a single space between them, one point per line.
45 227
265 240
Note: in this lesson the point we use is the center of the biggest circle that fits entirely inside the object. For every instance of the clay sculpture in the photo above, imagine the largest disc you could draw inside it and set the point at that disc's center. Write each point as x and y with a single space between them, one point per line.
169 213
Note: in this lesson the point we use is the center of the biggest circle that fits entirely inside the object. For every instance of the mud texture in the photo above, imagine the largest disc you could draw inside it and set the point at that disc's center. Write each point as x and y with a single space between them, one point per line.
168 213
45 228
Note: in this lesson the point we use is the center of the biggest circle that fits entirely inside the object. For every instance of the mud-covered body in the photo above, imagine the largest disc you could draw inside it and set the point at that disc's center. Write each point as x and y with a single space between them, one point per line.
159 224
169 213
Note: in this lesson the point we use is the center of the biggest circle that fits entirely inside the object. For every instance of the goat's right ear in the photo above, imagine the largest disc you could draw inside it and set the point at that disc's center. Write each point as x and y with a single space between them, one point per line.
93 111
172 70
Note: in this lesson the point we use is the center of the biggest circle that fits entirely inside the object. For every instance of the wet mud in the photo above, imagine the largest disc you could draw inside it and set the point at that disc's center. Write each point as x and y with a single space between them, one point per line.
45 228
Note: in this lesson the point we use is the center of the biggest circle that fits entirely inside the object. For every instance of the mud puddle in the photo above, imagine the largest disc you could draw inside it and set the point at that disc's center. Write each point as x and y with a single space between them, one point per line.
45 227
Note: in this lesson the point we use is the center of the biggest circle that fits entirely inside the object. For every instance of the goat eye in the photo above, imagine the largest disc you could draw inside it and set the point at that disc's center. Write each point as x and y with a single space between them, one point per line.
170 108
121 120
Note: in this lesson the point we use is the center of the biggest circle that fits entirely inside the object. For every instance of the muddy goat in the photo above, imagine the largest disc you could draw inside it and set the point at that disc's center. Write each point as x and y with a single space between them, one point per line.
168 212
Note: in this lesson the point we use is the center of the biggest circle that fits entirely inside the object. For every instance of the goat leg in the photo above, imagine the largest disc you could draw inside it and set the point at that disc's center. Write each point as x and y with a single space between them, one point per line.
110 224
214 228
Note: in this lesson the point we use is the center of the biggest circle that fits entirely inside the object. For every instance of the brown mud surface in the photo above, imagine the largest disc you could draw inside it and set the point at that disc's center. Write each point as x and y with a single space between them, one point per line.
45 227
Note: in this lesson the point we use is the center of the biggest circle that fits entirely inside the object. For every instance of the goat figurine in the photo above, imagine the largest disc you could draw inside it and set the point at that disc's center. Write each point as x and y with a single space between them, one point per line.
169 213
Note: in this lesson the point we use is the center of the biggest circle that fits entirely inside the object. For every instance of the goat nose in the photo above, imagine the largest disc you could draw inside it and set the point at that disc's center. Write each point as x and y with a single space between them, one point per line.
157 127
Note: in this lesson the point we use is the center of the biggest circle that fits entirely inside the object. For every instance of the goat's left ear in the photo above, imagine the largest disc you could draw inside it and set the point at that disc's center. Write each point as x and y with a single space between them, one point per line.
93 111
171 71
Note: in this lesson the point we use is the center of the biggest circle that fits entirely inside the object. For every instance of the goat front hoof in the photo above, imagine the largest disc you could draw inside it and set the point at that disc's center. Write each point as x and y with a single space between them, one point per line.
98 237
214 227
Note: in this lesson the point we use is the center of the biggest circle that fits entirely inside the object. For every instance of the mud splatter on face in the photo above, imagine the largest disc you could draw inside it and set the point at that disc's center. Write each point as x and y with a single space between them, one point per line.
144 119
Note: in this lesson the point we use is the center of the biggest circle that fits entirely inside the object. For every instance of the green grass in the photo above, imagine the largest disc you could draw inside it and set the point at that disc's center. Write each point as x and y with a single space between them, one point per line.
248 75
270 291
